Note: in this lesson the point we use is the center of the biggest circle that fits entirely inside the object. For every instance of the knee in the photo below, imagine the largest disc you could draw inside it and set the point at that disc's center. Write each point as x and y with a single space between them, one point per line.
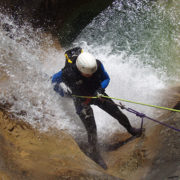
85 112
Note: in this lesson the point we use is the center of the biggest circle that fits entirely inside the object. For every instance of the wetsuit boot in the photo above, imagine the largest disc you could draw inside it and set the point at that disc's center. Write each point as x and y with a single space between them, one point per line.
135 131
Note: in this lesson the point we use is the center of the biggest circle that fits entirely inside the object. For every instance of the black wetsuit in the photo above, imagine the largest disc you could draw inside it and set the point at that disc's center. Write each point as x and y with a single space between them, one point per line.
84 86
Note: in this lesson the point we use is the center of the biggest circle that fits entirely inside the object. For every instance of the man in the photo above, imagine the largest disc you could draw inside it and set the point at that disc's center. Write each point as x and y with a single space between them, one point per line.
87 77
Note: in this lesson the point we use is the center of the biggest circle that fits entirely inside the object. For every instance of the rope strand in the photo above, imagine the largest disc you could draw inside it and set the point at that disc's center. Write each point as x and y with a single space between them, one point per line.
160 107
141 115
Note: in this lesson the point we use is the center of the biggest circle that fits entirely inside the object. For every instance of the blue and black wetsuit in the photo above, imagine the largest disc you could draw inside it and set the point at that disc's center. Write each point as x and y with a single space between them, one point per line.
84 86
81 85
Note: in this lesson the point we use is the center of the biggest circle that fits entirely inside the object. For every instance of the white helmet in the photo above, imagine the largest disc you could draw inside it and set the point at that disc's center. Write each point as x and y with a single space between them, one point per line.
86 63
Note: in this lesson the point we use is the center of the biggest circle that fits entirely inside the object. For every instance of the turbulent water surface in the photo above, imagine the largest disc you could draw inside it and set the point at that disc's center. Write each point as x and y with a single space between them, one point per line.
137 41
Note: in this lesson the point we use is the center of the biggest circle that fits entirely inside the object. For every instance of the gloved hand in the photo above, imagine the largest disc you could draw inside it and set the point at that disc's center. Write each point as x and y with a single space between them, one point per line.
59 90
68 93
99 92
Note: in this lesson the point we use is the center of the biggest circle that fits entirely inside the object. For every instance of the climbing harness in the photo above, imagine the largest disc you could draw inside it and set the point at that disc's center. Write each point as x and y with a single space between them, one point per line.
141 115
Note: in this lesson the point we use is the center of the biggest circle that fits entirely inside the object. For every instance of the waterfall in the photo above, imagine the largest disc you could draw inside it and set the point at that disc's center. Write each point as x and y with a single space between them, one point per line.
137 41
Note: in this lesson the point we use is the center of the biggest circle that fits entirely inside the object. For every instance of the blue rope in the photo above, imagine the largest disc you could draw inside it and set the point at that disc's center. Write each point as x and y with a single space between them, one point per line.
142 116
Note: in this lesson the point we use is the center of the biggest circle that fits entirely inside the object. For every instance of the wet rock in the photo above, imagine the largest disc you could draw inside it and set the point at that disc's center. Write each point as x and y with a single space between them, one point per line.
26 153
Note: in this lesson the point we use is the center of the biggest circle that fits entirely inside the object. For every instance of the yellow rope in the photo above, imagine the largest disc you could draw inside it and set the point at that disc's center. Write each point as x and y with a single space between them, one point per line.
160 107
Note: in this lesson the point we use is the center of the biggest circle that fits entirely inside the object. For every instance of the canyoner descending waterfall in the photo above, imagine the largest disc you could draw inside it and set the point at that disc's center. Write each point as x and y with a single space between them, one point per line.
128 58
138 44
124 37
86 76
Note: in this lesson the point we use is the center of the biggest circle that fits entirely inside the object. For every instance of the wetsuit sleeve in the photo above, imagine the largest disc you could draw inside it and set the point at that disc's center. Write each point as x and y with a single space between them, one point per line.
106 77
57 78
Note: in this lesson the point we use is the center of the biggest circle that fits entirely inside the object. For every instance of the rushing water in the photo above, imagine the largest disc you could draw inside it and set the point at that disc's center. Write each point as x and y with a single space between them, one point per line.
27 60
137 42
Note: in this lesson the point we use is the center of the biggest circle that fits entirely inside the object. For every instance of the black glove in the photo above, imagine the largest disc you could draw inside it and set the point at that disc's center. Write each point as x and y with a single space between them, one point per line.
99 92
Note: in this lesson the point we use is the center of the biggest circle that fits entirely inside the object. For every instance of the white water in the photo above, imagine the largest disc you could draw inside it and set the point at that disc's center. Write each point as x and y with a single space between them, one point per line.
130 80
28 59
138 43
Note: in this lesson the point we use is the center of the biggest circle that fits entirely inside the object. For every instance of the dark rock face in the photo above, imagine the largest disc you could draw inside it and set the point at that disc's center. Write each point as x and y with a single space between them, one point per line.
64 17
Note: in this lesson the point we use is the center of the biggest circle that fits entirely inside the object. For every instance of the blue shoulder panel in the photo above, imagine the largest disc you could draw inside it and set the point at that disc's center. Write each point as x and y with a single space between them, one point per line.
57 78
106 78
